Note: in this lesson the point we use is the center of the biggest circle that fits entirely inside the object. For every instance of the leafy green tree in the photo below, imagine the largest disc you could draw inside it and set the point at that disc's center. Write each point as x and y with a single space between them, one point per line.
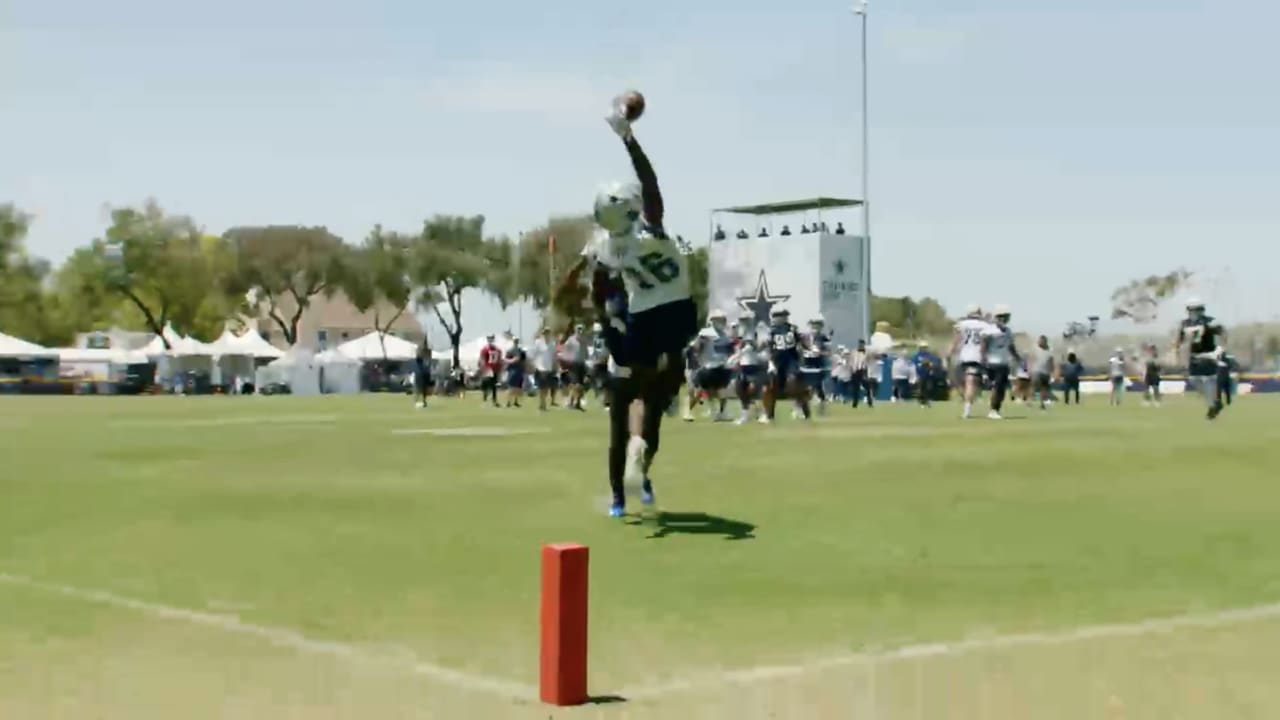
165 267
451 255
281 268
376 279
1140 299
27 309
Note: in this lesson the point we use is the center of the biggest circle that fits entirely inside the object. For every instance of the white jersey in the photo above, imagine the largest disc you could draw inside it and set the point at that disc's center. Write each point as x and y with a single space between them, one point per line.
972 333
999 345
653 268
1117 365
748 354
715 348
544 355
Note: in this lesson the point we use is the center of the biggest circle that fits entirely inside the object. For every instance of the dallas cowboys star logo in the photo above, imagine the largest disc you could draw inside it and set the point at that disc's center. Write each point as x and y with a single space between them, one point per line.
840 267
761 303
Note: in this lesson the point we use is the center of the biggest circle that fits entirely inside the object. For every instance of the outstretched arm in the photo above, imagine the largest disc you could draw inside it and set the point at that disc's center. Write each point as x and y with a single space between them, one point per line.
651 195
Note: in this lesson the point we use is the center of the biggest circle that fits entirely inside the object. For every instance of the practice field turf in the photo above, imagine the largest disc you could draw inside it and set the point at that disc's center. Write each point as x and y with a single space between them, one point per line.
352 557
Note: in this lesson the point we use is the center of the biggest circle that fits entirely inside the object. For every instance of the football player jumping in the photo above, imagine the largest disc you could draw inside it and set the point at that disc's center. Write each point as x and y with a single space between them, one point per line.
639 290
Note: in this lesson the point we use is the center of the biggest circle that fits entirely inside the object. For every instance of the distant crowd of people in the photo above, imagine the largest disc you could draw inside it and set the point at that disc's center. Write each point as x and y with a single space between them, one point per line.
805 229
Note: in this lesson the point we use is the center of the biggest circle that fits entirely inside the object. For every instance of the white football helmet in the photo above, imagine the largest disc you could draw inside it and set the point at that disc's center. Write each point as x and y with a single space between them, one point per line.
1195 308
817 322
618 206
717 319
1002 311
973 310
779 313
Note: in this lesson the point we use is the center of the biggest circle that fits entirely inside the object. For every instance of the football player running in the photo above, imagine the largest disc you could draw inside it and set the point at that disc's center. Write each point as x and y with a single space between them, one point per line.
1001 356
1206 341
750 363
815 361
784 366
715 347
639 290
970 350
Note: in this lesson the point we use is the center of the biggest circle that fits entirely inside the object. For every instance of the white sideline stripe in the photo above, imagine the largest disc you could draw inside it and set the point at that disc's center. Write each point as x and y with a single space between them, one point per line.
470 431
282 637
267 420
1150 626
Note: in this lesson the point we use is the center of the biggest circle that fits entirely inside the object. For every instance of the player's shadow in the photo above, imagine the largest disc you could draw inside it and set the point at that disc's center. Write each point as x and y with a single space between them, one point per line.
699 523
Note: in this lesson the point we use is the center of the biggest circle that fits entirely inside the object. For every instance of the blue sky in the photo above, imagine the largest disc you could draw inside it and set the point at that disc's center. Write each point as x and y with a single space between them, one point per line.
1071 145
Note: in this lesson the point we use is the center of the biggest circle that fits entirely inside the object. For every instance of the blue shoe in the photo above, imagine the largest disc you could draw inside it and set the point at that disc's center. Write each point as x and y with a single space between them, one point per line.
646 494
617 511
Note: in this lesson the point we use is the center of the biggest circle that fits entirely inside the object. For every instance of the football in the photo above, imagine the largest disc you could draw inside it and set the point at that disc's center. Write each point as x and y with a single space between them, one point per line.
632 104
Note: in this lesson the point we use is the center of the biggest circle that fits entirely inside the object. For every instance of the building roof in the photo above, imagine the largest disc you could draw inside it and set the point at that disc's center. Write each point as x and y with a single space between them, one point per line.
792 206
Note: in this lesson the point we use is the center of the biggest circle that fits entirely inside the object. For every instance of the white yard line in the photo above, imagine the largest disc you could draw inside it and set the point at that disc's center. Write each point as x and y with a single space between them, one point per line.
1151 626
261 420
281 637
285 637
470 431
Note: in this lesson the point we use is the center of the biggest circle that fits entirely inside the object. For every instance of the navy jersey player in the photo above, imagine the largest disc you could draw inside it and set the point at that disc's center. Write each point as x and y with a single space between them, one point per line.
784 365
815 361
647 325
1206 341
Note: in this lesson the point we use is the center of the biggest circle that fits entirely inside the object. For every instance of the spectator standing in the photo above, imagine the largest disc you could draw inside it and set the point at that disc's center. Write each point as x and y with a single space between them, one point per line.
901 373
544 367
860 368
1116 372
422 374
490 369
517 362
1072 371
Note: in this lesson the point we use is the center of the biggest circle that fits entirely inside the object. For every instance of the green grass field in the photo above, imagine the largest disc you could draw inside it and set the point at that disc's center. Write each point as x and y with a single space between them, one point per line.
325 557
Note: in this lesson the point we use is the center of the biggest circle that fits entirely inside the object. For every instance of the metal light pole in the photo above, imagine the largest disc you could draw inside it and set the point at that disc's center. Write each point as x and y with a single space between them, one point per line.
861 10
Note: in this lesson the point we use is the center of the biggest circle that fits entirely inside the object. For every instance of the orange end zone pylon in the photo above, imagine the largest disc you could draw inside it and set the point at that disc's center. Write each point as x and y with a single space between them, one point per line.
563 664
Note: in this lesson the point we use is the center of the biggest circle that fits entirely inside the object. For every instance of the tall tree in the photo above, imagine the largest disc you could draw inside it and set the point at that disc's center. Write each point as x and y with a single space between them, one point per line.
281 268
27 309
451 255
1139 300
376 280
917 318
163 265
554 246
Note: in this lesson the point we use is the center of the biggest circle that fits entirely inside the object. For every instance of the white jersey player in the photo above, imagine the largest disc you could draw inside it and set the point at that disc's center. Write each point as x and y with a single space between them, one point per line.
970 351
647 326
715 349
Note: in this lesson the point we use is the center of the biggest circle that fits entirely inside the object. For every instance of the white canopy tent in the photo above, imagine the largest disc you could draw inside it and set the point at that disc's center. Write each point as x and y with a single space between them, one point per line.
98 364
297 368
252 344
339 374
371 348
12 347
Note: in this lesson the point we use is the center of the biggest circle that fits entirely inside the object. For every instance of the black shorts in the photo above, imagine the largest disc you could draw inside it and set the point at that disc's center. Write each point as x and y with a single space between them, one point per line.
575 373
813 378
716 378
544 378
655 336
973 369
1043 382
998 374
783 375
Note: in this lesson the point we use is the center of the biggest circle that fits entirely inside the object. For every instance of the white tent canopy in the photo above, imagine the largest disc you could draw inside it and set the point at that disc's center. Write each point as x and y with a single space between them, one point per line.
370 347
298 368
226 345
11 346
157 345
338 372
252 344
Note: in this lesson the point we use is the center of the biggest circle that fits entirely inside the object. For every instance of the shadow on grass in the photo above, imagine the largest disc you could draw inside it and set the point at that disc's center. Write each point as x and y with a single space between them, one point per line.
697 523
605 700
